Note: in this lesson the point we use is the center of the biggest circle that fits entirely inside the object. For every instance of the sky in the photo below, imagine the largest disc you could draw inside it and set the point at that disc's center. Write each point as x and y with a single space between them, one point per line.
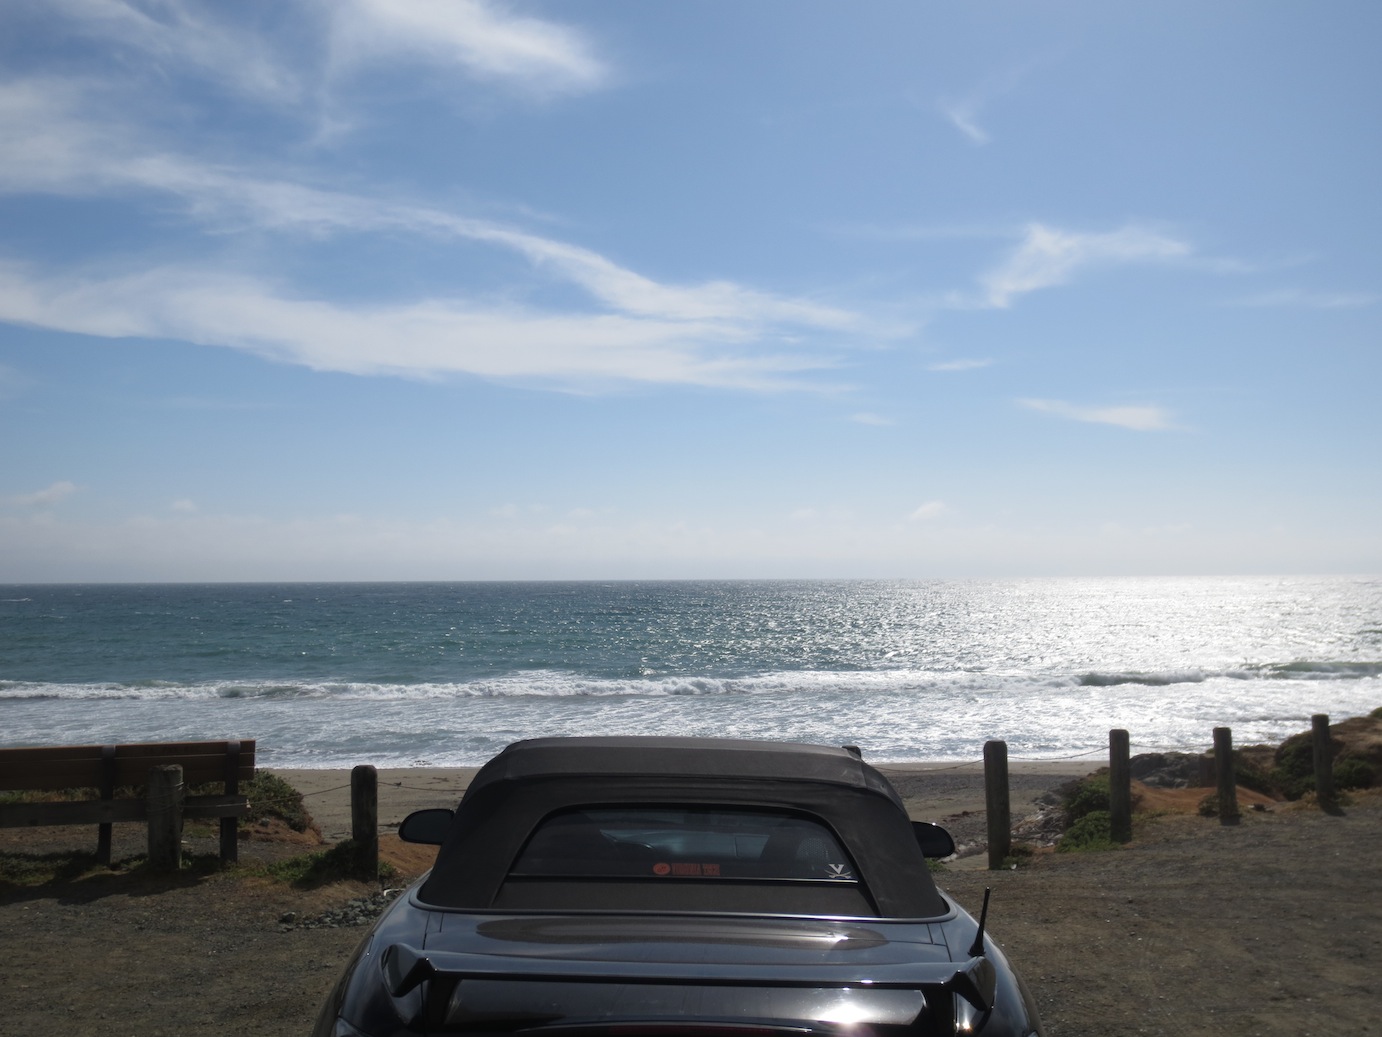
610 289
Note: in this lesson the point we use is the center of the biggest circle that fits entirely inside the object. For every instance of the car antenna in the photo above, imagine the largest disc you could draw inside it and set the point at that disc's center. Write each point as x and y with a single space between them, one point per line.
976 949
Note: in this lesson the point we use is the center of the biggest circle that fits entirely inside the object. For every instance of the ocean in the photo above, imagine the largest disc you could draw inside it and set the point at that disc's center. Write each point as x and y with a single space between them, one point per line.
446 674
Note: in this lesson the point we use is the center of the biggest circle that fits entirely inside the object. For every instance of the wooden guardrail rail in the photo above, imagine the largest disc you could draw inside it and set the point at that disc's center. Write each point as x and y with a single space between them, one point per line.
108 767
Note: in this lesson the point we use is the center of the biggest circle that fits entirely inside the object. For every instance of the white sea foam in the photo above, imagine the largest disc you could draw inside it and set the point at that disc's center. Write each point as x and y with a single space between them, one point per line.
448 674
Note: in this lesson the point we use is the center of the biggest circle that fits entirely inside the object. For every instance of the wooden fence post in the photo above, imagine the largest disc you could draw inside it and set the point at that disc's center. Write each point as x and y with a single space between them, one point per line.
1119 787
1228 783
230 845
1323 753
364 820
107 793
163 797
998 809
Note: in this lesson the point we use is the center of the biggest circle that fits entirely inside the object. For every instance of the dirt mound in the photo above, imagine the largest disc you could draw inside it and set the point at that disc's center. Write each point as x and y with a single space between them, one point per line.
411 859
1151 800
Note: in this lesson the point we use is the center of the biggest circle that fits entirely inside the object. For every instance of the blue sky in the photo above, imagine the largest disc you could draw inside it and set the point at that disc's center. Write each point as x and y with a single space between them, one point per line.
451 289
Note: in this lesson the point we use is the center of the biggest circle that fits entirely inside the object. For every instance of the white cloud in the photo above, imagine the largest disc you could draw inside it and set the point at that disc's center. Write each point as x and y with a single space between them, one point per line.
46 497
655 332
1139 418
959 365
183 506
1048 257
929 510
483 38
180 36
963 115
418 339
475 37
59 150
866 418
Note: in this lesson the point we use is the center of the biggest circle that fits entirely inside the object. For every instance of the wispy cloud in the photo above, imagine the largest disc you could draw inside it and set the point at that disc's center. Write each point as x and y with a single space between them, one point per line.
476 38
1048 257
959 365
635 328
485 39
963 116
46 497
868 418
929 510
421 339
964 112
1310 300
178 37
1140 418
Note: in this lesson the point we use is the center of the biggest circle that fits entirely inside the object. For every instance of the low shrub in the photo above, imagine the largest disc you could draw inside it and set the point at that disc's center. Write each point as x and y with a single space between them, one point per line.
1294 773
1090 832
1088 796
271 796
1353 773
1252 776
1019 856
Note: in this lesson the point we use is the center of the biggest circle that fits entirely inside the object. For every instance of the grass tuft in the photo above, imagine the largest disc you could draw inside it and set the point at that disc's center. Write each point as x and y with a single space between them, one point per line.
323 867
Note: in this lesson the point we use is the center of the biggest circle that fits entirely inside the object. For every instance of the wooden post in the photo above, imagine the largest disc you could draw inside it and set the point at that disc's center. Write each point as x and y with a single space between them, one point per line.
998 810
1324 762
364 820
1119 787
1228 783
107 791
230 845
163 798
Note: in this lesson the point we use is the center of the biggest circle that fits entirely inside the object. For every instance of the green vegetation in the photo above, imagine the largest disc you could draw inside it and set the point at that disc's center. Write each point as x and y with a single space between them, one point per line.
1294 774
1354 773
1252 776
39 869
1090 832
1089 795
1087 804
271 796
322 867
1019 856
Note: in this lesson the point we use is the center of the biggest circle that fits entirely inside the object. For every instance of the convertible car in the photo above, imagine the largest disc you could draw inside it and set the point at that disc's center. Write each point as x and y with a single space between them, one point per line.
677 886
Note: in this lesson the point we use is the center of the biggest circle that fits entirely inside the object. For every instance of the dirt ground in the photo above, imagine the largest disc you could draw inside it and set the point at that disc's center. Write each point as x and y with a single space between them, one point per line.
1271 927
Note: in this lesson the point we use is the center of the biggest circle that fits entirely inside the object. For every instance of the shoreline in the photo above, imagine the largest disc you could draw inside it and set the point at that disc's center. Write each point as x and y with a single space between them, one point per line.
931 790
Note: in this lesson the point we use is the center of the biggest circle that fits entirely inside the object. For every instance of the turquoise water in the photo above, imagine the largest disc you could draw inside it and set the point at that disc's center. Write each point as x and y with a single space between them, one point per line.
442 674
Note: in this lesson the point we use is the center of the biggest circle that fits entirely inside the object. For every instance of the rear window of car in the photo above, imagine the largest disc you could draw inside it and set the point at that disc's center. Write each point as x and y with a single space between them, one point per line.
675 844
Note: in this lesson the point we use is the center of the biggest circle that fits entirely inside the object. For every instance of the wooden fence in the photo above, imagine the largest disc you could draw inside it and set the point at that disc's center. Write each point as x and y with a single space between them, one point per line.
364 791
1120 785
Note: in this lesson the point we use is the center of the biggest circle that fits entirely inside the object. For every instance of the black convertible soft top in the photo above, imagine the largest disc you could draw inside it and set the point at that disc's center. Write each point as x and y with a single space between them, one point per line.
534 779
